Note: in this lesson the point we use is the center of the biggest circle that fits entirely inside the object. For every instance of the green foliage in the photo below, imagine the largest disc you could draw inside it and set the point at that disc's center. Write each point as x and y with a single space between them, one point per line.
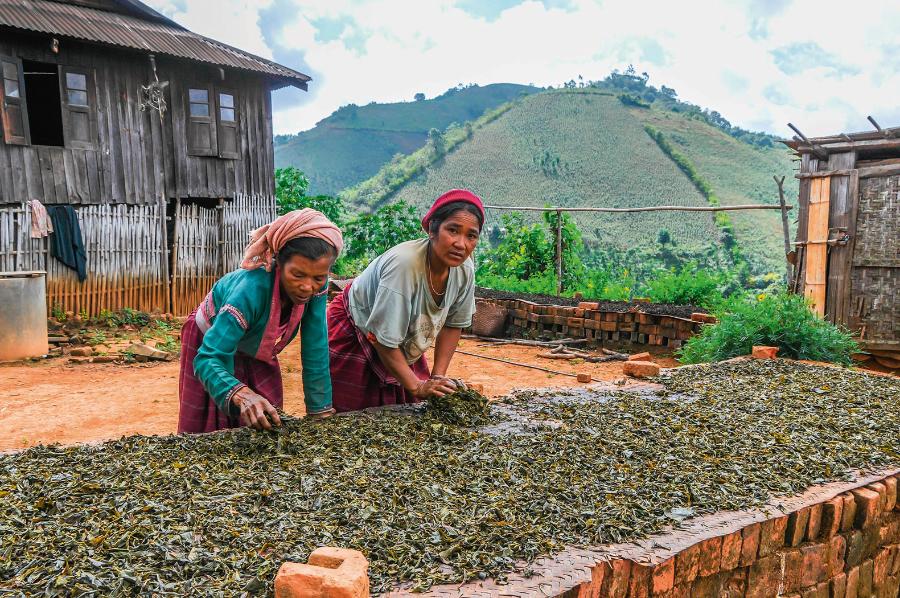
527 251
122 317
630 99
691 285
290 194
369 235
780 320
353 143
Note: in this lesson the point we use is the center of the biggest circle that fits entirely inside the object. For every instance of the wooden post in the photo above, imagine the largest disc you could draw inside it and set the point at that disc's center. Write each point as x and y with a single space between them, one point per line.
174 276
221 236
559 253
164 255
785 227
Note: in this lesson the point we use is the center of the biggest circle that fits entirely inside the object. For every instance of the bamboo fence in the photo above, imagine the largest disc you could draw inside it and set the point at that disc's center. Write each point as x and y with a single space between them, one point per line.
128 257
124 247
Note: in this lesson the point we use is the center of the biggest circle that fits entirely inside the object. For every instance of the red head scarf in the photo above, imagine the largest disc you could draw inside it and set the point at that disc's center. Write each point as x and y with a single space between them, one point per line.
451 196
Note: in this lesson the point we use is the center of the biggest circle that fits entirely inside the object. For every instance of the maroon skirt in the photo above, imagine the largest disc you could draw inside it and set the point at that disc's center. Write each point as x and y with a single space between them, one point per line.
358 377
198 412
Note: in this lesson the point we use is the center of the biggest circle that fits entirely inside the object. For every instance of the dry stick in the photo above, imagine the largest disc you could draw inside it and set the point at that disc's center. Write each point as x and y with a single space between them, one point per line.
646 209
524 365
784 226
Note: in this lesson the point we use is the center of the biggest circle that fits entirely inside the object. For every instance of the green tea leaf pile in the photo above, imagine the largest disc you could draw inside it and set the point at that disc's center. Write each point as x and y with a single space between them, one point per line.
462 408
429 502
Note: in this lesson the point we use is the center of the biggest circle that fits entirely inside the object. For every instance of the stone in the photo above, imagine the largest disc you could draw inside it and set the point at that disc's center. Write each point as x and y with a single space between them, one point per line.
640 357
640 369
143 350
81 352
584 378
329 573
763 352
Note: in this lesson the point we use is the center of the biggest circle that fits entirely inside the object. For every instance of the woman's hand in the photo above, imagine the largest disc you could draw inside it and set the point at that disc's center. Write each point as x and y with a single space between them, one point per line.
434 387
458 382
255 409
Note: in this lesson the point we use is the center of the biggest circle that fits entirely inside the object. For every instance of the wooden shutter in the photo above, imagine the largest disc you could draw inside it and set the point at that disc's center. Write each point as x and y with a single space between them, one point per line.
78 102
227 120
13 107
201 130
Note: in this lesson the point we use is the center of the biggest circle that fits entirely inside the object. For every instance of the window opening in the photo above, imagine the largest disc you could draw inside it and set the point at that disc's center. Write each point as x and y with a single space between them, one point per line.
199 102
226 107
44 102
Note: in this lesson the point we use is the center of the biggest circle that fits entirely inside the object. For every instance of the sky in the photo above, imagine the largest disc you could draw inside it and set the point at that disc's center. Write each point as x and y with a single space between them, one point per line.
823 65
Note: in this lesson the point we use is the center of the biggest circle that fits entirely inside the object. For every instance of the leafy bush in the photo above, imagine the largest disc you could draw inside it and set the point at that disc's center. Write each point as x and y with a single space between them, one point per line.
290 194
369 235
781 320
689 286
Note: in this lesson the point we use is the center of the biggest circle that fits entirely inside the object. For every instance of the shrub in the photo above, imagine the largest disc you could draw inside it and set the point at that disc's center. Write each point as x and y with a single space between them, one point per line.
689 286
781 320
369 235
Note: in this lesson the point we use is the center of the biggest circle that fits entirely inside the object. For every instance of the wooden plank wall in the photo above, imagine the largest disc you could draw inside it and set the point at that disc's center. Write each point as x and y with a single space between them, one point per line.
125 258
137 159
816 249
842 198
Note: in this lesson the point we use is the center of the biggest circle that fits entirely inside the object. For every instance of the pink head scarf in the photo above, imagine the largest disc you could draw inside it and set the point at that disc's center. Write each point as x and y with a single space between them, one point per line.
267 240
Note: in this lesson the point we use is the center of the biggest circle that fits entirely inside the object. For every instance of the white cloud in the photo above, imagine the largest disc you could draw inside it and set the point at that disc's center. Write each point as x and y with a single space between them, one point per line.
717 55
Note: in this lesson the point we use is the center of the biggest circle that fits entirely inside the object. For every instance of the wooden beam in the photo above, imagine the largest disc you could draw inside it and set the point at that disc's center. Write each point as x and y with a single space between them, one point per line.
874 144
864 173
784 226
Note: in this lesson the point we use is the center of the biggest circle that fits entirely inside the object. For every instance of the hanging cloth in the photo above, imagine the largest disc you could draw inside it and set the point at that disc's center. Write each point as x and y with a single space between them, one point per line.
41 226
66 243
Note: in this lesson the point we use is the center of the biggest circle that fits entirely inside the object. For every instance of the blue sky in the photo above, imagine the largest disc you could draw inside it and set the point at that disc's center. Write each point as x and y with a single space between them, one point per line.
760 63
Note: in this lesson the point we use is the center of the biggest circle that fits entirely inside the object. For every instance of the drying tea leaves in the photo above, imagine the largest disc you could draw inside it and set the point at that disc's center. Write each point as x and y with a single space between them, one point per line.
429 502
461 408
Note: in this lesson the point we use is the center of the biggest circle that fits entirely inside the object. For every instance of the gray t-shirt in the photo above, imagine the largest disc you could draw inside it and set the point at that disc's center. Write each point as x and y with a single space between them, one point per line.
391 299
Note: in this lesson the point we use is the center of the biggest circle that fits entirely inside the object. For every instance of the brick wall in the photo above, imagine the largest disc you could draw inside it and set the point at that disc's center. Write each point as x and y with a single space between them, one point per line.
839 540
530 319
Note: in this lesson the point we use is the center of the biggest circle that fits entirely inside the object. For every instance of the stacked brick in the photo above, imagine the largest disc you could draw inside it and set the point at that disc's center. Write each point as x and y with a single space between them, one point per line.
529 319
845 547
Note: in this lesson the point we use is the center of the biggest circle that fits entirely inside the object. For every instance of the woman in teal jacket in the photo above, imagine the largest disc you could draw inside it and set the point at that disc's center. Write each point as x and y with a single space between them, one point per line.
230 375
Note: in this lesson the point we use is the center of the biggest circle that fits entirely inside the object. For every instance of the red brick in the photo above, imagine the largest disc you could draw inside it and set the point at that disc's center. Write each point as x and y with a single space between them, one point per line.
578 312
584 378
640 369
599 572
663 577
682 591
710 556
855 549
852 583
711 586
735 585
764 578
687 564
616 583
890 533
848 514
797 523
749 544
762 352
639 581
891 487
866 577
814 564
815 522
882 566
839 586
609 326
791 562
771 535
703 318
867 502
640 357
881 489
831 517
837 551
329 573
589 305
816 591
731 552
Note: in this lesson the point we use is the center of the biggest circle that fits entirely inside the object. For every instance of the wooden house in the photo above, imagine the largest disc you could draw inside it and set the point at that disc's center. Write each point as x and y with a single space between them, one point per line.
848 235
160 138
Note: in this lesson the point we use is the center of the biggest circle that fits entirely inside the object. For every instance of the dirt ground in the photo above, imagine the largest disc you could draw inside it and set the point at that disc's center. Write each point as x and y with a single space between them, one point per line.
54 401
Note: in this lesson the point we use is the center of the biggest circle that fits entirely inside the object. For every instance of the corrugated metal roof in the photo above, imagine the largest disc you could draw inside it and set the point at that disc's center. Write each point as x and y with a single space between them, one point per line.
126 31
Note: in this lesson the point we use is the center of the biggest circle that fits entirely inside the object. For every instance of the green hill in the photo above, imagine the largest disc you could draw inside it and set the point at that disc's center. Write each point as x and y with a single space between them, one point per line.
355 141
586 147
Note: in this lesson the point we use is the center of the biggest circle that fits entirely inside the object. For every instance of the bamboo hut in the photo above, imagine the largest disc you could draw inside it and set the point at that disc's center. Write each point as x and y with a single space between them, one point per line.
160 139
848 236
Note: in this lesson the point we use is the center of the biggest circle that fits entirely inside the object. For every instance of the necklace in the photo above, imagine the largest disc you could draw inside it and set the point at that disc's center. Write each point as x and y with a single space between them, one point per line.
428 266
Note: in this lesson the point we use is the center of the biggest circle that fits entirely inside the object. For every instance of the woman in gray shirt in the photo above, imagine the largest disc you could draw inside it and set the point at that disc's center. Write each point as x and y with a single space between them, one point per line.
416 294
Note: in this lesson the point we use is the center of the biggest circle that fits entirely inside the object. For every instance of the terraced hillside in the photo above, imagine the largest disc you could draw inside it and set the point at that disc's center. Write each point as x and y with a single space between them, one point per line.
739 173
355 141
586 148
